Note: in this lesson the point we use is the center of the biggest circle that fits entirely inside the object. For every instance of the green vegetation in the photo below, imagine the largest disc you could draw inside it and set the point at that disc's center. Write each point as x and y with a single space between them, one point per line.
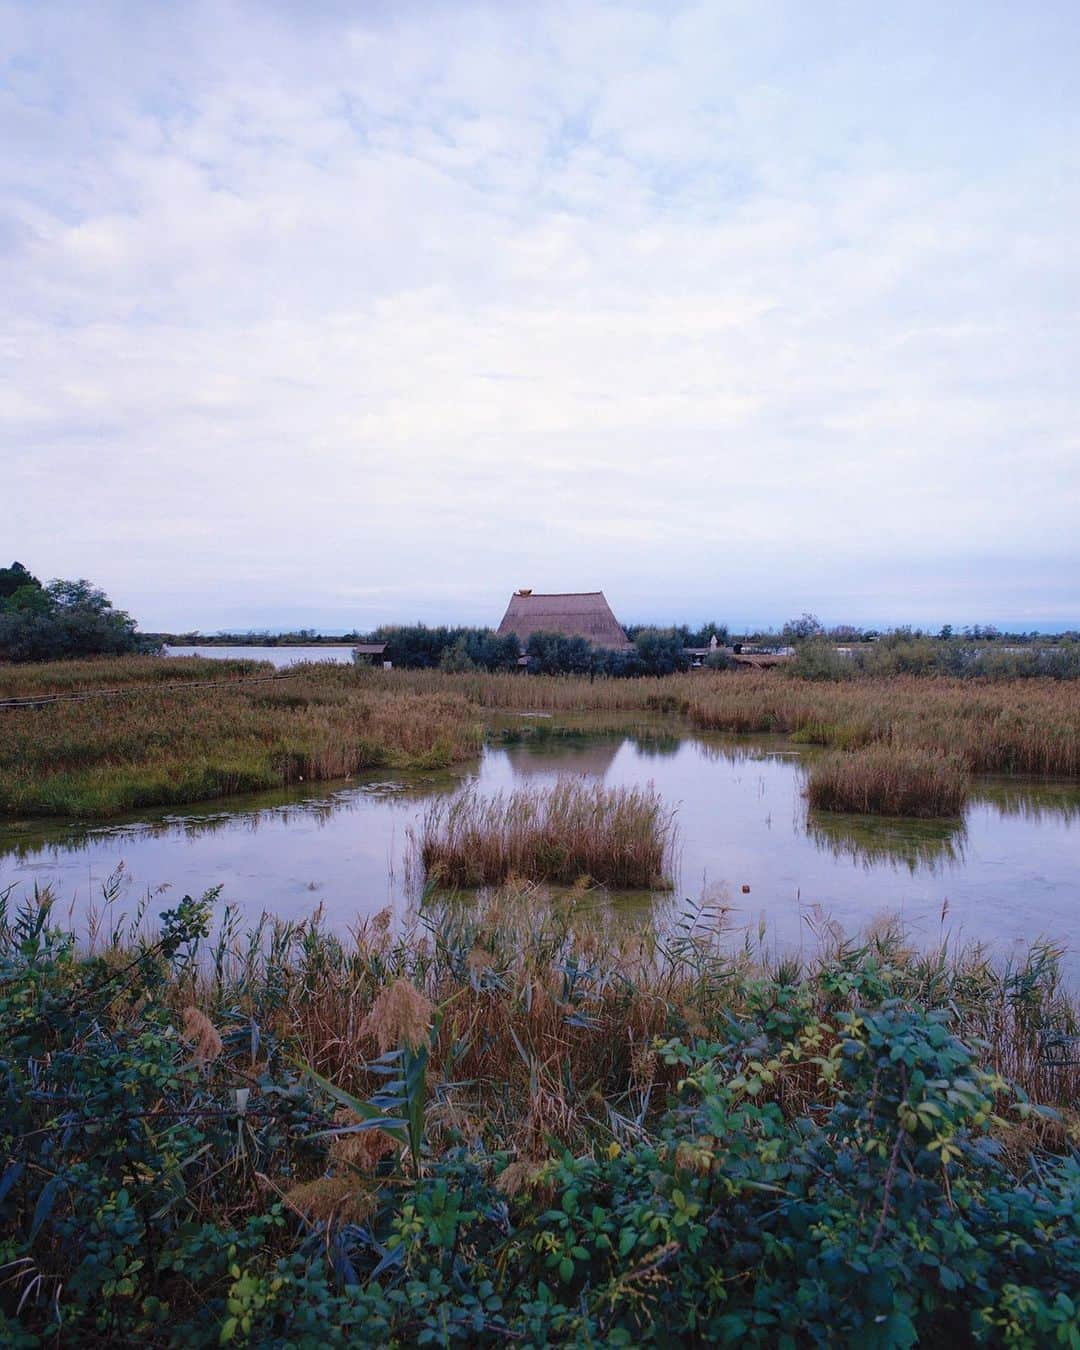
417 647
903 653
63 619
567 833
509 1128
156 744
884 781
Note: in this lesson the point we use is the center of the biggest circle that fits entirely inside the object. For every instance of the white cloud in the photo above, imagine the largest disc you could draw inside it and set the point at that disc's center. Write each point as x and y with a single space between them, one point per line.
384 315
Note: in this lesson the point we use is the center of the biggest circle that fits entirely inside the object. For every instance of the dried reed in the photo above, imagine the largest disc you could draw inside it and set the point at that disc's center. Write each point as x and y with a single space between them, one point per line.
885 781
619 837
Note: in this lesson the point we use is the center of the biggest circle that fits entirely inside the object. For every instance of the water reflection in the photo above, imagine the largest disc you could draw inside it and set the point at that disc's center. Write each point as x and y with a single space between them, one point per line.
917 845
1030 799
1011 869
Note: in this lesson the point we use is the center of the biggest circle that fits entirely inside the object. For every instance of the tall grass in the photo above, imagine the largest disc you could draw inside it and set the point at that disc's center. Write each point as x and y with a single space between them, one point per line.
884 781
619 837
1012 727
153 746
548 1016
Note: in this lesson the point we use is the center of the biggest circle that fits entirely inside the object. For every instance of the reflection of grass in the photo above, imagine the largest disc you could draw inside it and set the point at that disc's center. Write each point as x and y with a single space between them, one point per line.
912 844
619 837
888 781
1032 801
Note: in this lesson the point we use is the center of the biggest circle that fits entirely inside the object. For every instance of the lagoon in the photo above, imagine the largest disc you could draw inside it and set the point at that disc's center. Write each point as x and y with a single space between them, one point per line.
280 657
1005 874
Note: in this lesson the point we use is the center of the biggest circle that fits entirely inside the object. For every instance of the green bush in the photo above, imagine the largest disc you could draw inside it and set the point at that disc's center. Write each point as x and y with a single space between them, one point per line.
814 1180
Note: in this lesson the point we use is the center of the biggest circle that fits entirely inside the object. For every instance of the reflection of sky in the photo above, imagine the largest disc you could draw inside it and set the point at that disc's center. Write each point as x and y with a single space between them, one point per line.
1007 875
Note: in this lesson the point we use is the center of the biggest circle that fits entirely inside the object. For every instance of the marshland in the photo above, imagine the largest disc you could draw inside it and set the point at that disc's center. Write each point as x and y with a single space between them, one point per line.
402 1006
504 1123
313 784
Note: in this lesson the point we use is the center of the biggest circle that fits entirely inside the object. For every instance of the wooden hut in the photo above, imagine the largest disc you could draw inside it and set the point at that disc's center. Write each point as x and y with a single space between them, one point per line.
585 614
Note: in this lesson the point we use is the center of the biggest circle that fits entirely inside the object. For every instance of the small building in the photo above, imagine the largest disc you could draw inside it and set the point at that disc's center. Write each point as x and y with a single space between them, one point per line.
370 653
584 614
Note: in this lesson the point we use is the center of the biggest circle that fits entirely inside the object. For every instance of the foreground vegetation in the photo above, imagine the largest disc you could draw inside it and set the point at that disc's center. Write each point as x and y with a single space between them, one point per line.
620 837
157 744
507 1126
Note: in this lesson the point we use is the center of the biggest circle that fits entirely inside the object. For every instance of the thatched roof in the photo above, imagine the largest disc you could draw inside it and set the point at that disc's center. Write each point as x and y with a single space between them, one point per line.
582 614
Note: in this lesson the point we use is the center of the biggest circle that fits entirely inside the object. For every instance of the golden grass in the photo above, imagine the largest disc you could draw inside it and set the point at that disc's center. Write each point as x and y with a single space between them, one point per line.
547 1016
1021 726
620 837
883 781
109 672
154 745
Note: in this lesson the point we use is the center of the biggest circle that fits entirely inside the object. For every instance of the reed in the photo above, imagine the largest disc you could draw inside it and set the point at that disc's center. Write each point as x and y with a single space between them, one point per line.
619 837
884 781
202 1128
547 1013
158 745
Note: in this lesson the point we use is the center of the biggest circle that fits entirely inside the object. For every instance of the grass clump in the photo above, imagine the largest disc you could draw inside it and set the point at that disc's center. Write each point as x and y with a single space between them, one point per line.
619 837
884 781
573 1141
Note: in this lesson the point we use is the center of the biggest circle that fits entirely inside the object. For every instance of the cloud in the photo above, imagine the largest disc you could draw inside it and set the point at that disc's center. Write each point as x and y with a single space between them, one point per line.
726 308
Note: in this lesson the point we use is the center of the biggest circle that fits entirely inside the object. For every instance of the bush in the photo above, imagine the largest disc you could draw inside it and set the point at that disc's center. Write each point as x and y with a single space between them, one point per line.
831 1168
65 619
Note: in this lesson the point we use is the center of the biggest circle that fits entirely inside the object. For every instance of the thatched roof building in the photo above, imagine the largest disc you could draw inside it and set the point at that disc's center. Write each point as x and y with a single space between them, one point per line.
582 614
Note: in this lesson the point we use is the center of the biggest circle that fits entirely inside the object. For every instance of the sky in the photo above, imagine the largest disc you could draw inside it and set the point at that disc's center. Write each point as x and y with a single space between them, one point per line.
343 314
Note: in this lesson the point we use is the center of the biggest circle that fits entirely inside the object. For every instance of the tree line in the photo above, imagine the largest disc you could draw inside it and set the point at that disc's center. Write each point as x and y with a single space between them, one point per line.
62 619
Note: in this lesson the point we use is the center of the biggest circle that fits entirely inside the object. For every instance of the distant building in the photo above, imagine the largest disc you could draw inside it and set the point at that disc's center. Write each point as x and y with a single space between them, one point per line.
369 653
583 614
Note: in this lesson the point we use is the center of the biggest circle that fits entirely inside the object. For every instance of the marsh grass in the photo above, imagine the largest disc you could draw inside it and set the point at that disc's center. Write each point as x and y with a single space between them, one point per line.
619 837
546 1018
158 746
273 1134
885 781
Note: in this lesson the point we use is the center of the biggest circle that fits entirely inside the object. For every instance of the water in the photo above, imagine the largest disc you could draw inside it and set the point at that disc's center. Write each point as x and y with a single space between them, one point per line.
281 657
1008 873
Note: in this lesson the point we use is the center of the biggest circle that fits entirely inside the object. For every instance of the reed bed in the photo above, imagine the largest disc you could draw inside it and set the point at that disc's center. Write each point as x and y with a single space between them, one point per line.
884 781
155 746
619 837
547 1014
1012 727
98 672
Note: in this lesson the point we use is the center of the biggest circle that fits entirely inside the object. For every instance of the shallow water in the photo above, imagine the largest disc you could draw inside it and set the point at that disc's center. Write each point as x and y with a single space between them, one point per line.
281 657
1006 874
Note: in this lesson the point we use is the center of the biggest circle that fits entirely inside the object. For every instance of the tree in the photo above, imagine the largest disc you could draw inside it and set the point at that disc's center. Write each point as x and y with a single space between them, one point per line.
66 618
14 579
802 629
661 651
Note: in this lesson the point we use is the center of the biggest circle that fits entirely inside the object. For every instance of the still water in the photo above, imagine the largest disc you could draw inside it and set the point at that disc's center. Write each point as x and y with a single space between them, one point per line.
1008 873
281 657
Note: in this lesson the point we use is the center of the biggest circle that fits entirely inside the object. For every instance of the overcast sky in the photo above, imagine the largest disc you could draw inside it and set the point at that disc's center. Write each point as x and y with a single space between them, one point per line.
342 314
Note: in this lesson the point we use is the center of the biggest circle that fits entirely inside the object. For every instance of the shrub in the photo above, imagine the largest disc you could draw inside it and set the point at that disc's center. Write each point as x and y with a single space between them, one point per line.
818 1160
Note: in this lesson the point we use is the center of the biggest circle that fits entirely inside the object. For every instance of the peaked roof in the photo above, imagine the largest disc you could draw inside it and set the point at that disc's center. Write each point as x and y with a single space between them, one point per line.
580 614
